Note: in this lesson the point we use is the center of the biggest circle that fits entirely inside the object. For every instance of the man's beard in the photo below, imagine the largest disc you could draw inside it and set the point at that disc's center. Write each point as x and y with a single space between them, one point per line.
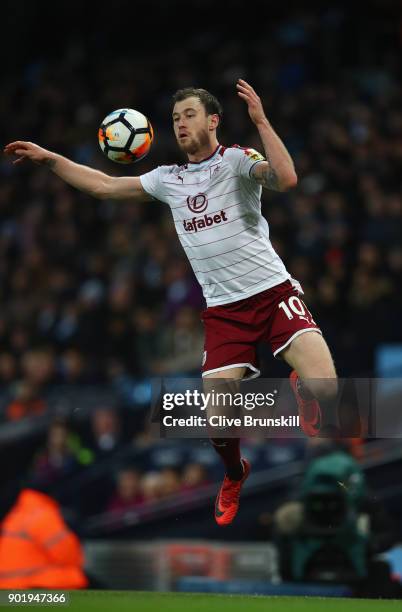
196 143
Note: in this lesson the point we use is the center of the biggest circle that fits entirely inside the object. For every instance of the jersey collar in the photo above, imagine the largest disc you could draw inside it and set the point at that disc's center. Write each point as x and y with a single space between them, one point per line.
189 163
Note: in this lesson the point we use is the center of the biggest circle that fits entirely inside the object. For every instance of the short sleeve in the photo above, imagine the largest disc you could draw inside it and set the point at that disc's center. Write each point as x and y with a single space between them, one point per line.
152 184
248 159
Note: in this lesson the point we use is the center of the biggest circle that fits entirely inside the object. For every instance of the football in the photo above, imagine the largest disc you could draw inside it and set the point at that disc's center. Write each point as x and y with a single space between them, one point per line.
125 136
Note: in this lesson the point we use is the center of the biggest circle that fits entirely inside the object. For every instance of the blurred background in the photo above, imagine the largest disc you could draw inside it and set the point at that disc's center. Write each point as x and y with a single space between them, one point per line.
96 297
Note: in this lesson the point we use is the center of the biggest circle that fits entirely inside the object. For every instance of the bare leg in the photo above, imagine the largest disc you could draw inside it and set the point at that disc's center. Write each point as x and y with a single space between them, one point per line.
309 355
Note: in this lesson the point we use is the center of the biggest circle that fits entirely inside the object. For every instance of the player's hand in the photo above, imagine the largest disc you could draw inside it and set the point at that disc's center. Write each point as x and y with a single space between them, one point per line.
255 108
28 150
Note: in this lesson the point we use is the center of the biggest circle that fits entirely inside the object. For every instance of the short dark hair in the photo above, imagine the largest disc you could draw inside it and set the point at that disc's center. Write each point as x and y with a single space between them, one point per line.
210 103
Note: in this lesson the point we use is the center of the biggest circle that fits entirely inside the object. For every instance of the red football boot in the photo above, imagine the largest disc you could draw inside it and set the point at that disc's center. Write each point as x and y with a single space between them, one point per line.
309 409
227 500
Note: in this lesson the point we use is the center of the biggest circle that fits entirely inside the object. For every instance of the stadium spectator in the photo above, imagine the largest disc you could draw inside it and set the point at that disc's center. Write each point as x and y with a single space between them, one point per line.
38 367
127 495
181 289
181 345
26 403
106 431
194 477
58 459
152 486
171 482
8 368
73 367
146 338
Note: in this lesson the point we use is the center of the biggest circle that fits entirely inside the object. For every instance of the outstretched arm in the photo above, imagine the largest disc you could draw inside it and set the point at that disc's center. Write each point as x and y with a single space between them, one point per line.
91 181
278 172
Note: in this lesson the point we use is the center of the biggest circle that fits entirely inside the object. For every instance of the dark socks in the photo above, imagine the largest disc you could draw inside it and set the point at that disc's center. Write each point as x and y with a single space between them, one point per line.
229 450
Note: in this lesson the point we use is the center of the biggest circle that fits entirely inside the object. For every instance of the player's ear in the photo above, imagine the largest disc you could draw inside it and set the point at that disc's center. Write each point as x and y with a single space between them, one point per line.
213 121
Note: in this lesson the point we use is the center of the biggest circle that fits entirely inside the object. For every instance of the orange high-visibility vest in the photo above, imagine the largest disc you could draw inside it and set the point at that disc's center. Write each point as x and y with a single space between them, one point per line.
37 549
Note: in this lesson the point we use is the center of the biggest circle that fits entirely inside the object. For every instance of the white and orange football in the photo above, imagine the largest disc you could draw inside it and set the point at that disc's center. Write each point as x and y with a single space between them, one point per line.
125 136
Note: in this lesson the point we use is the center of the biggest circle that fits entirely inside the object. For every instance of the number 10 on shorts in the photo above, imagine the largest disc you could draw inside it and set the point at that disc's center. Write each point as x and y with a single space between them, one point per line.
294 306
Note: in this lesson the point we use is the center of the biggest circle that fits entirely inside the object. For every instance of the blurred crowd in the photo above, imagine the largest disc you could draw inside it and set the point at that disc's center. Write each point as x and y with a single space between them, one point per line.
68 455
98 466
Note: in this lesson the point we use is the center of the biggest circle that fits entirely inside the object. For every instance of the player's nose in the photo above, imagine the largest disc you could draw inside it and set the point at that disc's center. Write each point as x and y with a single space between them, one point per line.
182 129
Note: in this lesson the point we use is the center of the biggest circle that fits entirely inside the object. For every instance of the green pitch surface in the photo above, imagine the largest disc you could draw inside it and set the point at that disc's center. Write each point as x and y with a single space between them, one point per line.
135 601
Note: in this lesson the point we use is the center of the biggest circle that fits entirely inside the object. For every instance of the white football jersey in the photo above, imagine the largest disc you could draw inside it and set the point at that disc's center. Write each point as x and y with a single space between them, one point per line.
216 207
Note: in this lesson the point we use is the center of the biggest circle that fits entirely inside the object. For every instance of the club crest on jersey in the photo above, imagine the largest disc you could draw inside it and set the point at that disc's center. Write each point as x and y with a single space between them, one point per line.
197 203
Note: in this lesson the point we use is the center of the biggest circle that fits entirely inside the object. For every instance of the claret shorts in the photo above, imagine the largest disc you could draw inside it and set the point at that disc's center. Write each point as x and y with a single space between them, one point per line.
233 331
